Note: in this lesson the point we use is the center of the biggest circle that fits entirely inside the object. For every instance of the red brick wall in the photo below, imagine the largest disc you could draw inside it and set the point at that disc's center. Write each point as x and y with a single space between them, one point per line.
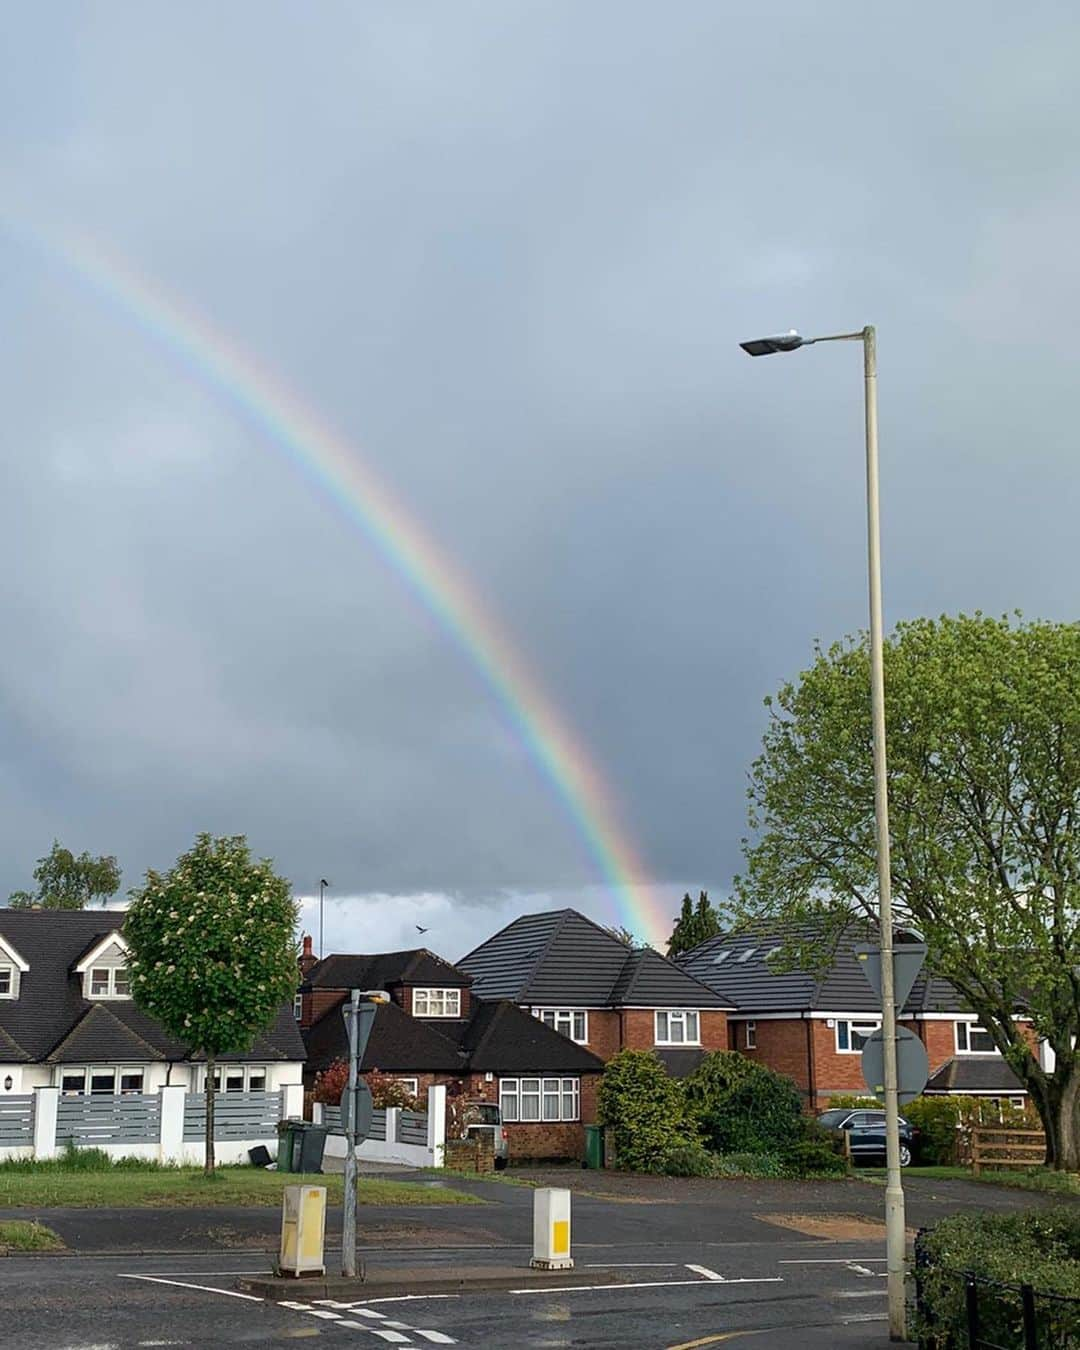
546 1139
605 1033
319 1001
639 1029
939 1039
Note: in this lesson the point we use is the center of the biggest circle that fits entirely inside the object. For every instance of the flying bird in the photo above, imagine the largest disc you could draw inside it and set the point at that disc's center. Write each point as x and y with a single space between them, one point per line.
420 930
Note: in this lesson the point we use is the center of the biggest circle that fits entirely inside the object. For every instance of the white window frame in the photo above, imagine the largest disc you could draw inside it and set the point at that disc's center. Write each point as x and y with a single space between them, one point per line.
111 991
864 1027
682 1017
566 1022
411 1085
298 1007
970 1027
221 1071
750 1035
90 1071
11 981
515 1092
448 1002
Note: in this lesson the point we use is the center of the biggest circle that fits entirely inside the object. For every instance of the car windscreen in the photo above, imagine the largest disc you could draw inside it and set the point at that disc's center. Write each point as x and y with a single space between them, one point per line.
482 1114
830 1119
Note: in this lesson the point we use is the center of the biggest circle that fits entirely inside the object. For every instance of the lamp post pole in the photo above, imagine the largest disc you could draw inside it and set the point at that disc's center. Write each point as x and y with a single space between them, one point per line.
348 1229
894 1190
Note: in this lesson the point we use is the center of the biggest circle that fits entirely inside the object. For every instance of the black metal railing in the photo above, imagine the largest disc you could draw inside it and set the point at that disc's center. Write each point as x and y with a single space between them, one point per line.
968 1311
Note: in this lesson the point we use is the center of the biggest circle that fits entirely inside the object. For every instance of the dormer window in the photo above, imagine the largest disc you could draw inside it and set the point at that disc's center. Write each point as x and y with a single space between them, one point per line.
436 1003
109 982
103 969
12 969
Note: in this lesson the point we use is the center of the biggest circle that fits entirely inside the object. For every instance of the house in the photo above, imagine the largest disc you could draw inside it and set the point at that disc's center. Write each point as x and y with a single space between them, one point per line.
812 1026
67 1018
578 979
435 1031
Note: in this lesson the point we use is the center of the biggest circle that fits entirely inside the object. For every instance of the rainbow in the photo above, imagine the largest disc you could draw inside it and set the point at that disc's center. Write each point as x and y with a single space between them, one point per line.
337 470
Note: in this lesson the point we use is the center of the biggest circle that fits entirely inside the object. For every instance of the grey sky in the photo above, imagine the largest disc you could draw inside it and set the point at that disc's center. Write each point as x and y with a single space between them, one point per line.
508 250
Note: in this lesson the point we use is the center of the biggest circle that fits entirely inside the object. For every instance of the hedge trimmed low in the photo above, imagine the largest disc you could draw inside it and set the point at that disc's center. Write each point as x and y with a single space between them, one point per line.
1040 1248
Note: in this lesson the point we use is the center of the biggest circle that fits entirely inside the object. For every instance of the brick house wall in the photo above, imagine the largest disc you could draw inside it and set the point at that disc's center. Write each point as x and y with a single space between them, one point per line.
611 1030
542 1139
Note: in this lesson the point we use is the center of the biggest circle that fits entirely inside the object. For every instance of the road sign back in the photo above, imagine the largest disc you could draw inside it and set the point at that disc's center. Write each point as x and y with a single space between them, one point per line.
908 958
912 1065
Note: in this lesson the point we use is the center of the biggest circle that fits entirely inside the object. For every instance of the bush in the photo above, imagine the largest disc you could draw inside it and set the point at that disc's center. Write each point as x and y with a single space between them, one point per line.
749 1165
739 1106
644 1108
848 1101
1040 1248
946 1124
687 1159
812 1158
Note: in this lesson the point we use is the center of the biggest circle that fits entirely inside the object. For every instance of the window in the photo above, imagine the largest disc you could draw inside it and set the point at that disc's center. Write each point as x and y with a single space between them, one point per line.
298 1006
974 1040
411 1086
536 1099
569 1022
131 1082
852 1036
109 982
677 1027
436 1002
746 955
750 1036
720 958
7 982
73 1082
237 1078
103 1081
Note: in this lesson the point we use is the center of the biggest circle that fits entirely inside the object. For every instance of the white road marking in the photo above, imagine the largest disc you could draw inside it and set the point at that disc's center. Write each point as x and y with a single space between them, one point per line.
858 1270
704 1270
641 1284
408 1298
437 1336
632 1265
181 1284
836 1261
865 1317
394 1337
861 1293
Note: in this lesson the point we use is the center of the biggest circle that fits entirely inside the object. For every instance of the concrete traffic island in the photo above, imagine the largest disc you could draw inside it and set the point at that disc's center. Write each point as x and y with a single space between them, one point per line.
387 1281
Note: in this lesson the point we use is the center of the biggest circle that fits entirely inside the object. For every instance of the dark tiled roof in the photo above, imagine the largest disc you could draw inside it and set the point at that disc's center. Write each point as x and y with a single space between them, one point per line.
10 1051
563 959
499 1037
502 1038
101 1037
398 1044
987 1073
50 1006
738 968
378 971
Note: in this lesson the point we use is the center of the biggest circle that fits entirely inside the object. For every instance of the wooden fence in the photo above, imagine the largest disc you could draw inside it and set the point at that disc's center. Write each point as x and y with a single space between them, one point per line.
1004 1147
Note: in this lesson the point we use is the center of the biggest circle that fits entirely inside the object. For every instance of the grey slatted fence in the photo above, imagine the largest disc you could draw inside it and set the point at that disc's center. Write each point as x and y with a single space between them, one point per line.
237 1116
412 1127
134 1118
332 1120
16 1121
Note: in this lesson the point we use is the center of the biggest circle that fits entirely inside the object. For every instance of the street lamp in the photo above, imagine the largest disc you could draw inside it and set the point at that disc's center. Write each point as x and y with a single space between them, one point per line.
322 890
894 1191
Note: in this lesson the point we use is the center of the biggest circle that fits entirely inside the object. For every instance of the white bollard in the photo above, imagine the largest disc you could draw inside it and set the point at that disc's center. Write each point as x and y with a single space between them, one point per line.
551 1229
303 1231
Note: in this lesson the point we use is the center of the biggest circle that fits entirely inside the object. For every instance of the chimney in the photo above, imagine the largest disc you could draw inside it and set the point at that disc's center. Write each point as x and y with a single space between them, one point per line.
307 957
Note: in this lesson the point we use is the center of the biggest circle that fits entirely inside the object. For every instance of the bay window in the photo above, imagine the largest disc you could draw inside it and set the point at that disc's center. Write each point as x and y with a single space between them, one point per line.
527 1100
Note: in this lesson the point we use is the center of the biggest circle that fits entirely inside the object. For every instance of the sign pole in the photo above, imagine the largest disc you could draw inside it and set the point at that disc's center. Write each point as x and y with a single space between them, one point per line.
348 1233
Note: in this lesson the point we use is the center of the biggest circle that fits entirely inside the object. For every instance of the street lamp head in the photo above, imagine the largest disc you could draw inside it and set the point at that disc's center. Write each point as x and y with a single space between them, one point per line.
786 342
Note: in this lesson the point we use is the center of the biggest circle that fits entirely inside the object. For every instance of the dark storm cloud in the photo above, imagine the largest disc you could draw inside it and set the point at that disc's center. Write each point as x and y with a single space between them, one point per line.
508 250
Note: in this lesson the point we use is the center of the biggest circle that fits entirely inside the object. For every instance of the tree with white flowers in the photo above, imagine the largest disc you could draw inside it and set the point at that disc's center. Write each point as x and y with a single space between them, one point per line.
212 951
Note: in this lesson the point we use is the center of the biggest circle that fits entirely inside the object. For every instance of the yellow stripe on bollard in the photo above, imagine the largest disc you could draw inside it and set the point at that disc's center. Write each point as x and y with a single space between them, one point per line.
560 1237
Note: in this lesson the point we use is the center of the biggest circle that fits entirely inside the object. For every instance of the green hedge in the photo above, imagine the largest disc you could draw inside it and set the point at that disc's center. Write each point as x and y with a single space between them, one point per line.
742 1107
1040 1248
946 1124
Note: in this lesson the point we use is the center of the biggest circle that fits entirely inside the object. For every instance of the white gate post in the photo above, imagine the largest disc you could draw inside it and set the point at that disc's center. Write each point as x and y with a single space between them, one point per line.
46 1101
292 1101
171 1128
436 1124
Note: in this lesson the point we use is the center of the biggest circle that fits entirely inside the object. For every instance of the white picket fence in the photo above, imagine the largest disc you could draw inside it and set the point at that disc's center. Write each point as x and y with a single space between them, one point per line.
169 1125
413 1138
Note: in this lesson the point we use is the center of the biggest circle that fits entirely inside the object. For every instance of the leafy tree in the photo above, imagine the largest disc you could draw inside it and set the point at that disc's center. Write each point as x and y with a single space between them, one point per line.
211 951
741 1106
625 936
644 1107
69 882
695 924
983 719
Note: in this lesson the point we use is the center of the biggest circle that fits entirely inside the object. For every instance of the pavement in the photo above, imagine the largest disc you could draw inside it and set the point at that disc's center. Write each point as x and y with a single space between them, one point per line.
661 1265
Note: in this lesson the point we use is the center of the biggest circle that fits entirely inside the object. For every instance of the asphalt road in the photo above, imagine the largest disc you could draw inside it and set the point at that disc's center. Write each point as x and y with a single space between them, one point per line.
796 1293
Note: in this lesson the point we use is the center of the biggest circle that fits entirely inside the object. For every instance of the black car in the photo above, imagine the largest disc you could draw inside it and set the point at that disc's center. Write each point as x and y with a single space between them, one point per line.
866 1132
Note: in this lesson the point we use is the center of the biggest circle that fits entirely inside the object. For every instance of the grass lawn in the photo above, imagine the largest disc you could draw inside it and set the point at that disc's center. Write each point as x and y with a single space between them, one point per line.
187 1187
1032 1179
23 1235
